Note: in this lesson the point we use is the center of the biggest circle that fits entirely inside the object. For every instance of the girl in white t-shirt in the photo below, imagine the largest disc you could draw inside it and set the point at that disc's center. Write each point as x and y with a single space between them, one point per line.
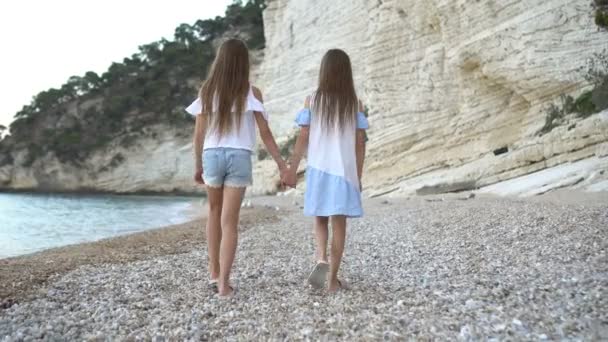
333 128
227 111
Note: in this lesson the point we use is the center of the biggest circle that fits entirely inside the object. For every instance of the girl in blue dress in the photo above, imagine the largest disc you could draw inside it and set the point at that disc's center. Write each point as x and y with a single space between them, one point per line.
332 131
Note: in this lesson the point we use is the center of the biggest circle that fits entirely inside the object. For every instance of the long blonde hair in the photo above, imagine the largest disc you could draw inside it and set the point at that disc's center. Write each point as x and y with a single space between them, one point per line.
336 99
224 92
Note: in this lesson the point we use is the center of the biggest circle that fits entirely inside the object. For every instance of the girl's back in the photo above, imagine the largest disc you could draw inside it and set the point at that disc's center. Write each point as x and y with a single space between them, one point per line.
333 173
243 135
332 125
332 149
227 112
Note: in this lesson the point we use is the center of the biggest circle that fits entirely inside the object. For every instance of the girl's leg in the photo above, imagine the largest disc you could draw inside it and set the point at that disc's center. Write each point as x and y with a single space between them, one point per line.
214 230
338 225
321 234
230 220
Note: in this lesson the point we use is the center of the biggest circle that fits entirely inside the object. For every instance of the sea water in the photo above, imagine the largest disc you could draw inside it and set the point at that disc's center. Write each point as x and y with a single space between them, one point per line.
34 222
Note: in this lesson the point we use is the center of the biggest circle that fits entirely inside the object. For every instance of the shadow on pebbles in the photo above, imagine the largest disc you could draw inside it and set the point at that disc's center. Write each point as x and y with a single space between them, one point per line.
469 270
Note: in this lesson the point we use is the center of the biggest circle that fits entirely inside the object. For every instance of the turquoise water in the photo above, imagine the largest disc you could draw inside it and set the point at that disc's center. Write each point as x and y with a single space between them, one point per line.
33 222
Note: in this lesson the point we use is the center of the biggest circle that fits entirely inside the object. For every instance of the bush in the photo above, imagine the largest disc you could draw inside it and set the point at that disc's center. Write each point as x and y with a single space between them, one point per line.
599 96
262 154
5 158
596 72
584 105
117 160
554 118
601 19
128 140
69 138
601 13
596 69
288 146
589 102
34 152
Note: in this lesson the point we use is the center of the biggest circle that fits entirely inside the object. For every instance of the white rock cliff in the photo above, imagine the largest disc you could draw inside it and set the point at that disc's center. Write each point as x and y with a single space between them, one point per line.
163 164
447 83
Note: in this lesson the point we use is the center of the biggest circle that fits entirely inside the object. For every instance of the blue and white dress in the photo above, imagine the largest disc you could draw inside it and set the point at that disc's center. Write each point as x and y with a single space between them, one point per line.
332 183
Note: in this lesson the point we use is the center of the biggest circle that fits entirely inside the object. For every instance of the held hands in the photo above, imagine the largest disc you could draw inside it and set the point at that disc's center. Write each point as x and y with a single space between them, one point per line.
283 174
198 176
287 180
289 177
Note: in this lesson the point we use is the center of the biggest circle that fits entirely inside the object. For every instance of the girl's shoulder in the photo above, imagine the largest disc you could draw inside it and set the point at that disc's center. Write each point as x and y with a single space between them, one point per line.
310 98
255 101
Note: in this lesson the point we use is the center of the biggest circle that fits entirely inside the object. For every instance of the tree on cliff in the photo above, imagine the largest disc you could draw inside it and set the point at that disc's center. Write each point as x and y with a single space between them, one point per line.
150 87
601 13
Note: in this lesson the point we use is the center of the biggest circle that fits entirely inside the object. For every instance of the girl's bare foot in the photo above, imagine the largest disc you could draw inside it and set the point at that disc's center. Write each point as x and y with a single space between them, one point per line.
225 291
335 285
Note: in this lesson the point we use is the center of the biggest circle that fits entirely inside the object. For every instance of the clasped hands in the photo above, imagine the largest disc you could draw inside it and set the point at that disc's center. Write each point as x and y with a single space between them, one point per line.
289 176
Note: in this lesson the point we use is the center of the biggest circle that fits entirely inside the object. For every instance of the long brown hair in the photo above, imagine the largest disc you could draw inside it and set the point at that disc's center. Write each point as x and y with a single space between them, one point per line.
336 100
224 92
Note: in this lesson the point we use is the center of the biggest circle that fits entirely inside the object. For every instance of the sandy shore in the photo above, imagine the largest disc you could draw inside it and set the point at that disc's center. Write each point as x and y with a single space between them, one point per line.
432 268
21 277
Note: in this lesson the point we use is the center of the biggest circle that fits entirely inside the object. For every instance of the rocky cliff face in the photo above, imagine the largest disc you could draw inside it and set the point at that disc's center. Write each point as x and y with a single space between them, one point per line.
457 91
448 84
158 160
161 162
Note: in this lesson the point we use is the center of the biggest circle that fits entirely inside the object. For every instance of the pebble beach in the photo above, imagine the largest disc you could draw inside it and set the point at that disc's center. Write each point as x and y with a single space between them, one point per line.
437 268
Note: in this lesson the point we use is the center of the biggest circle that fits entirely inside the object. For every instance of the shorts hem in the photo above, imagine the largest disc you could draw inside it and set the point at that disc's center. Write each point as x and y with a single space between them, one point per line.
237 184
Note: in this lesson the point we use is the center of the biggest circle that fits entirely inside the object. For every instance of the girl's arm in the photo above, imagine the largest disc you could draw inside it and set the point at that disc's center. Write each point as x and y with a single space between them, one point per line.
300 147
266 135
200 128
360 152
360 148
298 152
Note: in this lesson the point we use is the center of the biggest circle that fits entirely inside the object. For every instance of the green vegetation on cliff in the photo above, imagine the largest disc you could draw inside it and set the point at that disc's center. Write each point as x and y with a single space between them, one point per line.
150 87
588 103
601 13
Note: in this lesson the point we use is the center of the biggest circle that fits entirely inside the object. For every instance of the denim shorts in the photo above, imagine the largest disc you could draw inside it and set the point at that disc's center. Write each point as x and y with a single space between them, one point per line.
224 166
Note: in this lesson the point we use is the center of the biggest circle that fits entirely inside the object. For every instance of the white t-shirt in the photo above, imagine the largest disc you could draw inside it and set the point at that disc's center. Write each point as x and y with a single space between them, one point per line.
243 138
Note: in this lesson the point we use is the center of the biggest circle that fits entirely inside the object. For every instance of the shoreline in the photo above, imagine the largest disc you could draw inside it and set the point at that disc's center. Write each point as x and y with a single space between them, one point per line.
466 262
184 209
97 192
22 277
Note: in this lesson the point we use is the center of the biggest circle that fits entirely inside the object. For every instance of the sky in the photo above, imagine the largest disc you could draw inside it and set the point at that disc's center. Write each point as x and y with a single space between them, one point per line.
46 42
